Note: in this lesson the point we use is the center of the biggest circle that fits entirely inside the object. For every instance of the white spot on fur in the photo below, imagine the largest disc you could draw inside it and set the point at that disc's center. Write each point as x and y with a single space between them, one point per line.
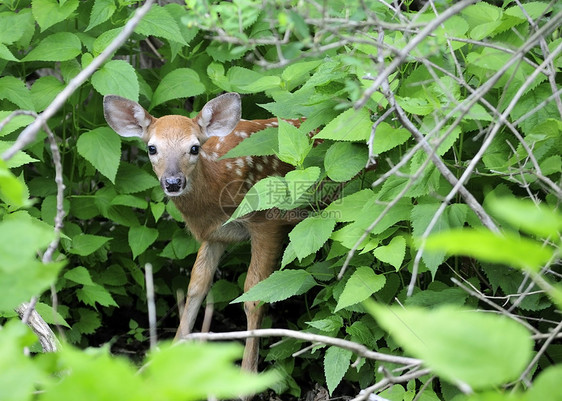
259 167
275 163
228 165
272 124
214 156
240 162
241 134
239 172
249 161
250 178
265 159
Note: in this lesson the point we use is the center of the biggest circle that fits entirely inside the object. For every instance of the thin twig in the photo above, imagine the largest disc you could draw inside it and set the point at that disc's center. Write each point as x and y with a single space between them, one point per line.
356 348
151 305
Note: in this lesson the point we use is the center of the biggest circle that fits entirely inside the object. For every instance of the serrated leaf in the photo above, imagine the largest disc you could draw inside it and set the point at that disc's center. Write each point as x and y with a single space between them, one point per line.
265 194
336 363
261 143
328 324
179 83
12 27
361 285
293 144
15 91
101 12
44 91
49 12
299 181
79 275
310 234
131 179
506 248
344 160
117 77
59 46
92 294
19 159
393 253
12 190
480 349
102 148
50 315
351 125
6 54
158 22
89 321
279 286
140 238
388 137
86 244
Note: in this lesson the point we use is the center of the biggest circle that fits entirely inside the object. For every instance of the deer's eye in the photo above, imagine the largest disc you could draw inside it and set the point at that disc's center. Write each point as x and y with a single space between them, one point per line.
194 150
152 150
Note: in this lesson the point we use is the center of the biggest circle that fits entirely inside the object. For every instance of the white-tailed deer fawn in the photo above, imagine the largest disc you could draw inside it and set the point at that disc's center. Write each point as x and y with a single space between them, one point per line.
185 154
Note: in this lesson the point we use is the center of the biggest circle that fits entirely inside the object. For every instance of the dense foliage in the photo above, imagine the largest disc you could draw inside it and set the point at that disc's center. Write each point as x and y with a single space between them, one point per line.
453 107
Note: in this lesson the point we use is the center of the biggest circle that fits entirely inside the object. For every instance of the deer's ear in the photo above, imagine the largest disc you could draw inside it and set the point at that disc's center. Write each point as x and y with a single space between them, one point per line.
126 117
220 115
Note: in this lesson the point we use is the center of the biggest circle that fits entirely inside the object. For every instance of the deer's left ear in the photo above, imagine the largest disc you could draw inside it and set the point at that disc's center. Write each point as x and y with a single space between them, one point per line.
220 115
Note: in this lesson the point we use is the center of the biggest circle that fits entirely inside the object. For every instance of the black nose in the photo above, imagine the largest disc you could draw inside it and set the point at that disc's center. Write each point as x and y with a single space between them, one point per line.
173 184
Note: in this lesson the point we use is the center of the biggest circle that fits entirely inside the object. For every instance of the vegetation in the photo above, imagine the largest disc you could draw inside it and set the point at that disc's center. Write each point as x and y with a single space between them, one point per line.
439 264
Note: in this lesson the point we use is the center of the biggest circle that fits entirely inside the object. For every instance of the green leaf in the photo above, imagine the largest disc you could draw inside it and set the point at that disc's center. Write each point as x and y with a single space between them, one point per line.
293 144
546 387
158 22
79 275
95 293
349 208
89 321
393 253
344 160
101 12
299 181
21 238
49 12
361 285
216 372
530 217
50 315
60 46
19 159
117 77
12 190
330 324
44 91
140 238
351 125
336 363
279 286
179 83
131 179
265 194
15 91
15 123
480 349
86 244
6 54
506 248
247 81
12 27
388 137
310 234
261 143
102 148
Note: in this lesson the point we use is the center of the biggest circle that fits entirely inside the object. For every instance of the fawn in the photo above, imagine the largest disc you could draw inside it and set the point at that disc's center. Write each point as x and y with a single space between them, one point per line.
185 154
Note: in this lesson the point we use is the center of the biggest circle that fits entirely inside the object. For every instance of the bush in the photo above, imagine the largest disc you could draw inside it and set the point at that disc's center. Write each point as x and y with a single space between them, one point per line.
456 104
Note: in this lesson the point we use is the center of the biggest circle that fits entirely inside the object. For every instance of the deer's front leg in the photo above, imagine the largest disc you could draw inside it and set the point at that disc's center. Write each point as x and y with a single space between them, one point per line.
201 279
266 248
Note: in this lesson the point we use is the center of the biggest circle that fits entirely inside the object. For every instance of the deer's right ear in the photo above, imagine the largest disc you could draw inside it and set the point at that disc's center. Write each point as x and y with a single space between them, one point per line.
126 117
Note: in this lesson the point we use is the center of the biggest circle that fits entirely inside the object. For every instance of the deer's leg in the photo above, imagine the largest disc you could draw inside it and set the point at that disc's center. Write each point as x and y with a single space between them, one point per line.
266 247
201 279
